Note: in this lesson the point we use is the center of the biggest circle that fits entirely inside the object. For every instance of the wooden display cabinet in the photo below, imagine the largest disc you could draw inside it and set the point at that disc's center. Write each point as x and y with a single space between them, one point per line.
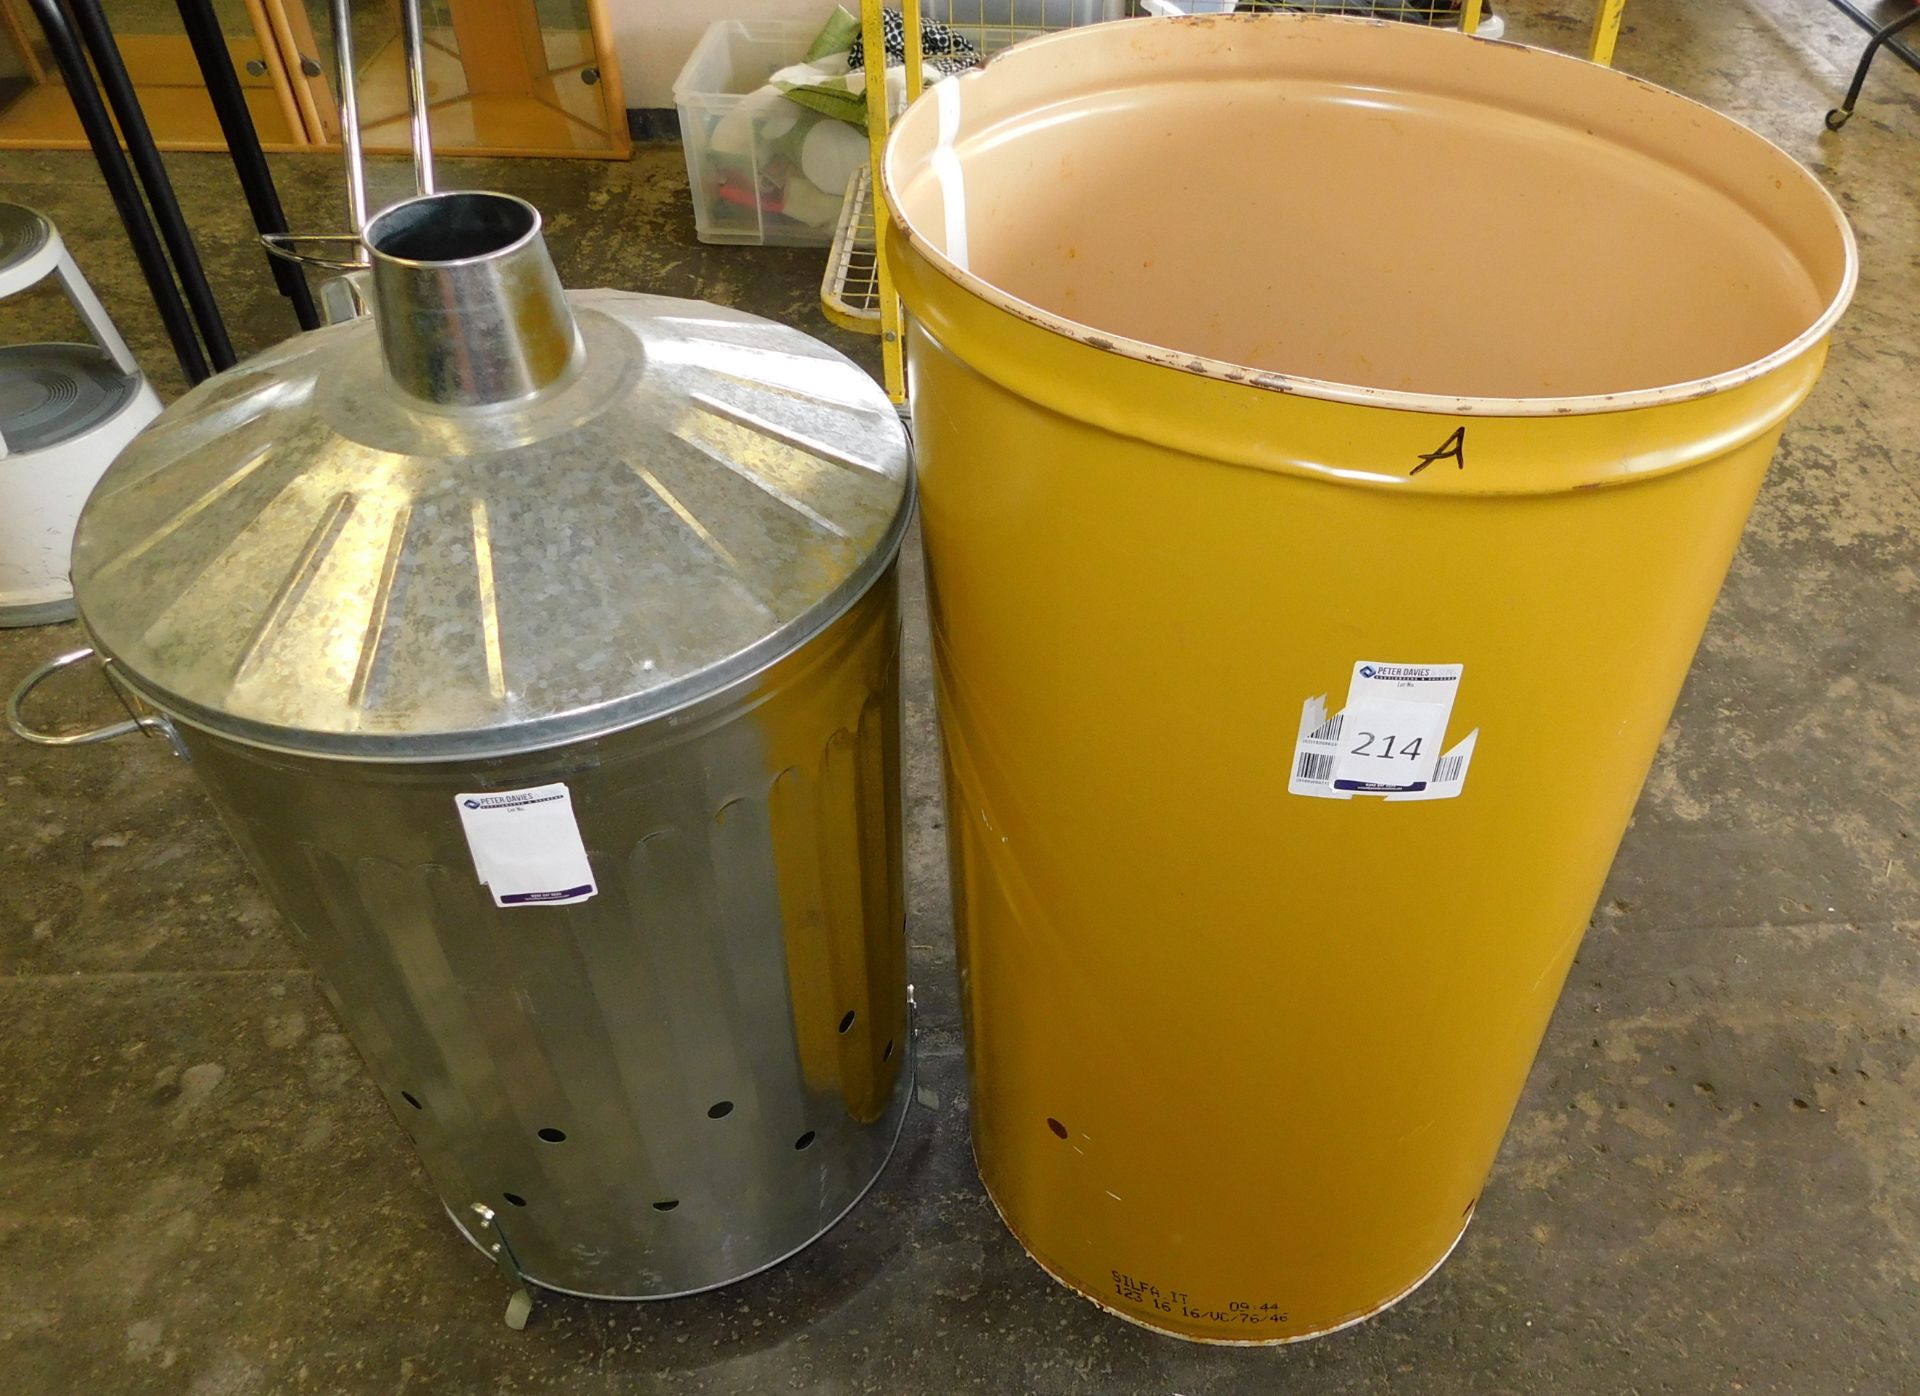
504 77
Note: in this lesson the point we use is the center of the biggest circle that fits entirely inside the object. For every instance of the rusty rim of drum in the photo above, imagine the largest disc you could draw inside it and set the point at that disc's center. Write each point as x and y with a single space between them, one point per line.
922 148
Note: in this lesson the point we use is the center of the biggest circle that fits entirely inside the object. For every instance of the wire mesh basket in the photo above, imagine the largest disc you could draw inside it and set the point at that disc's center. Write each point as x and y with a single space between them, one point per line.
1444 12
996 24
850 289
1451 14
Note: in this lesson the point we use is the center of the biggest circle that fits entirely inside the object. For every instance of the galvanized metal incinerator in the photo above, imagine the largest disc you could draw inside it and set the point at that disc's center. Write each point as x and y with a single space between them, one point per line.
541 651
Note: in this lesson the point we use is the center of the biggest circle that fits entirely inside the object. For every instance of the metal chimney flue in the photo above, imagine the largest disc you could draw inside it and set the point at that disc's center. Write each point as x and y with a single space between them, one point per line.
466 300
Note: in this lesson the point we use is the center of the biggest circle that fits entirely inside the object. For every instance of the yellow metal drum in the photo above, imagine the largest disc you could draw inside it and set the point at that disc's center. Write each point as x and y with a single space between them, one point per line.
1233 446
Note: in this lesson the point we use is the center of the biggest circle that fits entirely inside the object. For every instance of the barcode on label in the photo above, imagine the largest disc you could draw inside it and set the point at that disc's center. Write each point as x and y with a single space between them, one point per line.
1315 765
1402 721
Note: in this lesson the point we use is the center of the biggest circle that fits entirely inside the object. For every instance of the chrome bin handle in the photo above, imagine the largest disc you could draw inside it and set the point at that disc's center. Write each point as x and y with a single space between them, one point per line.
40 675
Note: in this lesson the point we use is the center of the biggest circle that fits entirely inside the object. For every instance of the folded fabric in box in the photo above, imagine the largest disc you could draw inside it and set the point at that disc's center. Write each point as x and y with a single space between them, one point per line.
789 149
943 50
832 78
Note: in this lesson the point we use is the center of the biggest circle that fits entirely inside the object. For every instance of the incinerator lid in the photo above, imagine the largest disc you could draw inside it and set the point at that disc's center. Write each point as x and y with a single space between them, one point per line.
496 516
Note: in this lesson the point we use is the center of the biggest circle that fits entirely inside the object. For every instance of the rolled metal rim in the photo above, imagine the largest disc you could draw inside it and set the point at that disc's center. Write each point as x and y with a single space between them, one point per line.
378 224
1352 393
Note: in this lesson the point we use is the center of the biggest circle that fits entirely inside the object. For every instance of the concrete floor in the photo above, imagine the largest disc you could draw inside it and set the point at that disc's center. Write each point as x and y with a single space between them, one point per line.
1713 1183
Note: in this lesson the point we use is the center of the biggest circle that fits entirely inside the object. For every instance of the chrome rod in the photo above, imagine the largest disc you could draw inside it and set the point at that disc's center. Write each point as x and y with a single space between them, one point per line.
350 116
416 53
300 247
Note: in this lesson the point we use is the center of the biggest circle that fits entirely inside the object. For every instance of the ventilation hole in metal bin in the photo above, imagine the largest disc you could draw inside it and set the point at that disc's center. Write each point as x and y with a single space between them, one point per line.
719 1110
1056 1127
412 1100
666 1204
553 1136
515 1198
804 1140
886 1054
847 1021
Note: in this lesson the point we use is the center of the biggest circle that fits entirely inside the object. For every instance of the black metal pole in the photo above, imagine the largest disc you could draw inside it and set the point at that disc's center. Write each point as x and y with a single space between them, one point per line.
1884 35
120 184
1873 25
243 144
98 37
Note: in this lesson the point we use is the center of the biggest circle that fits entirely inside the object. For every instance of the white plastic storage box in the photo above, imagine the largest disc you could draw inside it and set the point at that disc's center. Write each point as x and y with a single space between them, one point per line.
745 161
743 143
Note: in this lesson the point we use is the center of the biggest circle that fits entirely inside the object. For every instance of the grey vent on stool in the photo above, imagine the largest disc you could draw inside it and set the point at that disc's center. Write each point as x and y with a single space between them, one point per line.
50 393
65 412
22 233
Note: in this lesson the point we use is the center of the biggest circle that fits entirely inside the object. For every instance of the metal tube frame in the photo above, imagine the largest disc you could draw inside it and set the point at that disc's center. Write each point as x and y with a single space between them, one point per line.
83 44
342 13
105 140
415 46
1884 36
243 146
111 72
290 245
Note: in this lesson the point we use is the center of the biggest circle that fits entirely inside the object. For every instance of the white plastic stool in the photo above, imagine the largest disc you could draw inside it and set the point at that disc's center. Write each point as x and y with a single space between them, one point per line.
65 412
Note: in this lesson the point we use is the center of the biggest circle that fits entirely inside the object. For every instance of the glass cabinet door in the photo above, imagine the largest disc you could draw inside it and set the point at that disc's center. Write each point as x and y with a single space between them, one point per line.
504 77
37 114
